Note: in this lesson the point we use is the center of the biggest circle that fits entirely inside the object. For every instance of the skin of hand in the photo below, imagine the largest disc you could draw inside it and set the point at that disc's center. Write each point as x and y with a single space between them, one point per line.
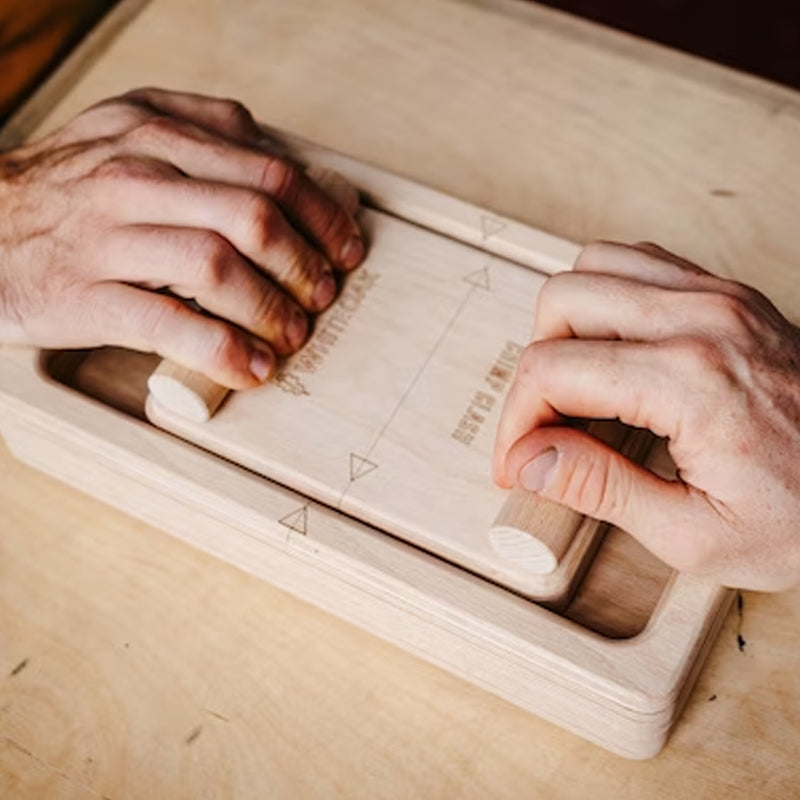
110 224
642 335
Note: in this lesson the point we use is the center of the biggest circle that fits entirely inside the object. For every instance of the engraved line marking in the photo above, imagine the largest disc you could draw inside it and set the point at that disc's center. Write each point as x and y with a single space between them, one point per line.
431 353
428 359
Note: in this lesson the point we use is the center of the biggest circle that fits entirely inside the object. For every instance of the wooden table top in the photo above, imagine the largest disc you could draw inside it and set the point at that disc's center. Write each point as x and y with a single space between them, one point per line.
132 666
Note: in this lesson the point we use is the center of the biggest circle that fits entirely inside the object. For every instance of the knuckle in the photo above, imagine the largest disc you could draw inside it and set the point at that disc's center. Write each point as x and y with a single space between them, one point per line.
139 95
554 289
212 259
260 219
270 307
236 115
155 322
127 110
533 368
740 290
592 253
697 354
710 381
332 224
154 131
110 115
730 313
121 168
552 286
227 348
640 406
528 364
280 179
302 263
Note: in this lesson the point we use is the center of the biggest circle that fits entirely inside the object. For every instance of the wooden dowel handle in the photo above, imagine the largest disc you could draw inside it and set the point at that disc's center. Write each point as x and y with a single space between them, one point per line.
191 394
184 392
534 532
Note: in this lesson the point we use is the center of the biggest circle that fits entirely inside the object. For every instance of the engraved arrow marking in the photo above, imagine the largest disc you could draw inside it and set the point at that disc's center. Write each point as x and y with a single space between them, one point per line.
296 520
491 226
479 279
360 466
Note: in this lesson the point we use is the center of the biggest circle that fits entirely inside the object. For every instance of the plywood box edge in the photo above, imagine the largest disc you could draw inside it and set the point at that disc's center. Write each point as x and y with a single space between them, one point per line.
387 615
46 425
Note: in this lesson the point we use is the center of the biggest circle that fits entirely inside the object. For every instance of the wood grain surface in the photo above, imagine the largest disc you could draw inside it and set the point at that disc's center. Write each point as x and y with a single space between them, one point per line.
132 666
389 412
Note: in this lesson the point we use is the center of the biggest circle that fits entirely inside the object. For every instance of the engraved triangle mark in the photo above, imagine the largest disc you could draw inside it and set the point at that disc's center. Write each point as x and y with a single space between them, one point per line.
360 466
479 279
491 226
296 520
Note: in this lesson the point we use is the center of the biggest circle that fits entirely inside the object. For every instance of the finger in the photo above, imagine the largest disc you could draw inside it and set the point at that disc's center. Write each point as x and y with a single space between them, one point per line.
119 115
141 320
669 518
641 384
201 155
602 306
221 116
336 186
644 262
656 250
249 220
204 266
103 121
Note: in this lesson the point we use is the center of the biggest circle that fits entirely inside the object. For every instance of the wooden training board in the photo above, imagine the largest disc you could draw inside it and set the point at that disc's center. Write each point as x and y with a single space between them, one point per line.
384 424
389 412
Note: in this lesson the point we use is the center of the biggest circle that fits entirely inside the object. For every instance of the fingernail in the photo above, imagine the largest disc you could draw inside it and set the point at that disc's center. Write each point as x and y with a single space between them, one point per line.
352 252
324 292
535 475
260 365
297 329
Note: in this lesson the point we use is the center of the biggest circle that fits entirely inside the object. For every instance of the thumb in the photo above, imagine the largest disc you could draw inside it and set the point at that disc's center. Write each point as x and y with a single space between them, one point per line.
574 469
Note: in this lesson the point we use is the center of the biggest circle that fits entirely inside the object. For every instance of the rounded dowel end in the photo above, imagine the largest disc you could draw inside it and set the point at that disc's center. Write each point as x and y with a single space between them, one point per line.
184 392
533 532
522 549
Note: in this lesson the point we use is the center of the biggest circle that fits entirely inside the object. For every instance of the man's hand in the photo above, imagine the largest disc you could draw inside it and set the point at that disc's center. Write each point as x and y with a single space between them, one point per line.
158 191
640 334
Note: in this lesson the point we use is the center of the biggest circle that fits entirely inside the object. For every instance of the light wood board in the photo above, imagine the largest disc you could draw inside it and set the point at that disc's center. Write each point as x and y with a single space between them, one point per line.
389 412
